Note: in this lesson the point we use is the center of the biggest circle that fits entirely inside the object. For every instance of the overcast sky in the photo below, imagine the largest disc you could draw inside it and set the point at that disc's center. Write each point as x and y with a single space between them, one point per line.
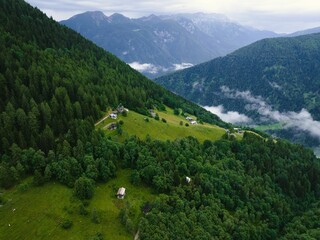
276 15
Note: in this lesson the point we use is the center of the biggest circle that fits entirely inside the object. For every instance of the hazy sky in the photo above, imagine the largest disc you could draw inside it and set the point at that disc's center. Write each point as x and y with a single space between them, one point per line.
276 15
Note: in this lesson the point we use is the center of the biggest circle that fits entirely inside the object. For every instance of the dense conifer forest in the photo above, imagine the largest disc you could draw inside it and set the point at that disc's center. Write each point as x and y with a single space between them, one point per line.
55 85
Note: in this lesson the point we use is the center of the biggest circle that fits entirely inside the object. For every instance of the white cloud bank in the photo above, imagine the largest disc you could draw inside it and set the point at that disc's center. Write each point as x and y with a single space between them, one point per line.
155 69
182 66
145 67
299 120
228 116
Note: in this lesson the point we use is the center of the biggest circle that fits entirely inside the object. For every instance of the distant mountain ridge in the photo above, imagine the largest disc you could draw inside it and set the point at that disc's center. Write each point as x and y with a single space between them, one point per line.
156 45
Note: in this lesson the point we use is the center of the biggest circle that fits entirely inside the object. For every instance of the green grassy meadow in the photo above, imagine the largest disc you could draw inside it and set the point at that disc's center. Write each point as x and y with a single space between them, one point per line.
135 124
275 126
37 212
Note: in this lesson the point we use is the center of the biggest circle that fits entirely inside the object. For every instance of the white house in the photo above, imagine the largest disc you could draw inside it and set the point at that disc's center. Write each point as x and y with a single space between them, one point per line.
189 118
121 193
193 122
113 116
188 180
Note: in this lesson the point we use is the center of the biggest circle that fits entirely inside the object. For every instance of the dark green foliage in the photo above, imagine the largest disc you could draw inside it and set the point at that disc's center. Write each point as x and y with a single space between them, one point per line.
176 111
96 216
66 224
157 117
84 188
245 189
82 210
163 120
125 219
98 236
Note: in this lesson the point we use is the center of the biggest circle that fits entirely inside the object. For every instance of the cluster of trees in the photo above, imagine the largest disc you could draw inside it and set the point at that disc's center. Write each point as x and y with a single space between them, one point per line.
95 161
248 189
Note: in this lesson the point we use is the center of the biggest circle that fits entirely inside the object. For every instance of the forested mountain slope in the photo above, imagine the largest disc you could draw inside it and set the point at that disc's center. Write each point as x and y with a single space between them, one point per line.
273 80
55 85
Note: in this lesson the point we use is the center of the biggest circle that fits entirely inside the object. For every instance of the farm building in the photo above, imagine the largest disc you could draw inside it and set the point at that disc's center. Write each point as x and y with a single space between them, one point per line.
121 193
113 116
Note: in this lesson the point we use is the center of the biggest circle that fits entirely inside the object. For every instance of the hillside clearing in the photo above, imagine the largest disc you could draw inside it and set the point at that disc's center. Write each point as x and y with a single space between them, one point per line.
37 212
137 124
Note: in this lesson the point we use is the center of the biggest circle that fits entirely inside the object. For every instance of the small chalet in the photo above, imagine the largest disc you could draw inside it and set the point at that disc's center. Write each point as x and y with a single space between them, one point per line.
152 113
194 122
121 193
121 109
113 115
189 119
112 126
188 180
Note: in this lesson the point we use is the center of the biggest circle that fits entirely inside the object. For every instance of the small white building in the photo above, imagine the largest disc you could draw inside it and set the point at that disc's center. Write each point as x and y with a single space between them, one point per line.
194 122
188 180
189 119
121 193
113 116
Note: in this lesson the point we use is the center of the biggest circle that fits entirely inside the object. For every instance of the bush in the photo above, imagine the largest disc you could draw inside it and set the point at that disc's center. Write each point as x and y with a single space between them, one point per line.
163 120
181 123
146 119
96 216
176 111
187 124
82 210
124 113
121 122
23 187
2 200
66 224
84 188
98 236
157 117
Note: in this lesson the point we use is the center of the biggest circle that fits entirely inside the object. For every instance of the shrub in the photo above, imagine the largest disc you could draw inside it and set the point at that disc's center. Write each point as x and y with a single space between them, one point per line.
82 210
187 124
96 216
163 120
84 188
66 224
98 236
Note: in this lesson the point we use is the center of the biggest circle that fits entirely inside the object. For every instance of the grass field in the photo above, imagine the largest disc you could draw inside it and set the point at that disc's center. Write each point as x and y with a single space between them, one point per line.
134 124
276 126
37 212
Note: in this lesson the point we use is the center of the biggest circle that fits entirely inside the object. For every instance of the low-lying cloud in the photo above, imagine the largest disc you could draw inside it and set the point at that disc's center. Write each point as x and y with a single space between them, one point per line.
155 69
228 116
145 67
181 66
299 120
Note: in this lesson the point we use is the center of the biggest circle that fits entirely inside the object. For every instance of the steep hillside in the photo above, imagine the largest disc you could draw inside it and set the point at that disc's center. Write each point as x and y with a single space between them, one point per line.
273 80
53 80
156 44
62 177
